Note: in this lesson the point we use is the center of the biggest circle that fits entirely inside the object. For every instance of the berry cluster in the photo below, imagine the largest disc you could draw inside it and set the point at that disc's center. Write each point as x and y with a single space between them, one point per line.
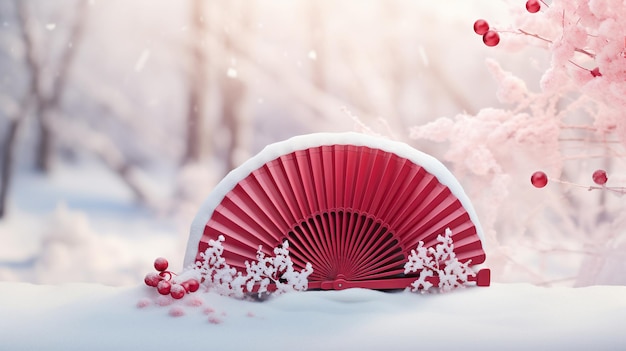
539 179
491 37
162 281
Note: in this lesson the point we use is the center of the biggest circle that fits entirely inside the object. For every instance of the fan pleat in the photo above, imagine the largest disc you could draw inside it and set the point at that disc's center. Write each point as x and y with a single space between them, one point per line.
241 221
282 214
349 176
396 192
430 231
413 194
338 174
379 186
350 211
317 171
364 173
295 184
328 165
248 210
284 192
304 176
420 194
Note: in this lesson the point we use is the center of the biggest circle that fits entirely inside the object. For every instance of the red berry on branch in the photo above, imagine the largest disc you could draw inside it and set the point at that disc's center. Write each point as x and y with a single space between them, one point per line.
177 291
164 287
481 27
533 6
599 177
491 38
160 264
539 179
152 279
596 72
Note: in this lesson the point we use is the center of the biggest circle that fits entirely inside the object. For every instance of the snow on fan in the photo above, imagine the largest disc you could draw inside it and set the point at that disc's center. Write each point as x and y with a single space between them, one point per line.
351 205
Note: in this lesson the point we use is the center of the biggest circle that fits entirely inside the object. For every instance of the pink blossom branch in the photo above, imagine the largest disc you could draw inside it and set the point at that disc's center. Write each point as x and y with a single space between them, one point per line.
582 51
616 190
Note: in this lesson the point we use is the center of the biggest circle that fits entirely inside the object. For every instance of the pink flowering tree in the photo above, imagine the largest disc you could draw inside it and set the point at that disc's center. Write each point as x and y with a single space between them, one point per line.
567 126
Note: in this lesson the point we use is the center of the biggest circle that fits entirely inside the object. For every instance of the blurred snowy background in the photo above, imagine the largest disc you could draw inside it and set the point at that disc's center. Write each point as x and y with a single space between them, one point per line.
120 116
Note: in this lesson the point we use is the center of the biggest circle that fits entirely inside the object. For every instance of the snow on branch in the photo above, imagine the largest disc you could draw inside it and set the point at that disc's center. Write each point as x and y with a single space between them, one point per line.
438 261
218 276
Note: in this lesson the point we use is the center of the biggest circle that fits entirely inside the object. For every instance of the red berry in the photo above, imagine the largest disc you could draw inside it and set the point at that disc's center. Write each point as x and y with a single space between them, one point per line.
164 287
533 6
596 72
152 279
491 38
481 27
160 264
539 179
177 291
191 285
599 177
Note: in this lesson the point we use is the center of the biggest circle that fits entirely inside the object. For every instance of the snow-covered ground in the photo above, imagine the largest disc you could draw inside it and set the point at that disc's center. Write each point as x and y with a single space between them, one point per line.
501 317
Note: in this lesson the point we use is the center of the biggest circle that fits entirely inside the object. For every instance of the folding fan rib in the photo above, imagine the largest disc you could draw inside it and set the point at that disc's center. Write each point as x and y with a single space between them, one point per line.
324 242
370 246
349 230
301 257
276 170
330 238
317 233
313 238
337 219
303 246
300 249
386 264
365 226
376 249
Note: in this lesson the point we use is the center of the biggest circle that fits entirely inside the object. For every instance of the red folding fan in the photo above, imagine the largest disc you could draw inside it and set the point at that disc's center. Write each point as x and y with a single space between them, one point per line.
352 205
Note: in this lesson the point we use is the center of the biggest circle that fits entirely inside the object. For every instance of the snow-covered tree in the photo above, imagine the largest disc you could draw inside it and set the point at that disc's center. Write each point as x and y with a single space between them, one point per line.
571 124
